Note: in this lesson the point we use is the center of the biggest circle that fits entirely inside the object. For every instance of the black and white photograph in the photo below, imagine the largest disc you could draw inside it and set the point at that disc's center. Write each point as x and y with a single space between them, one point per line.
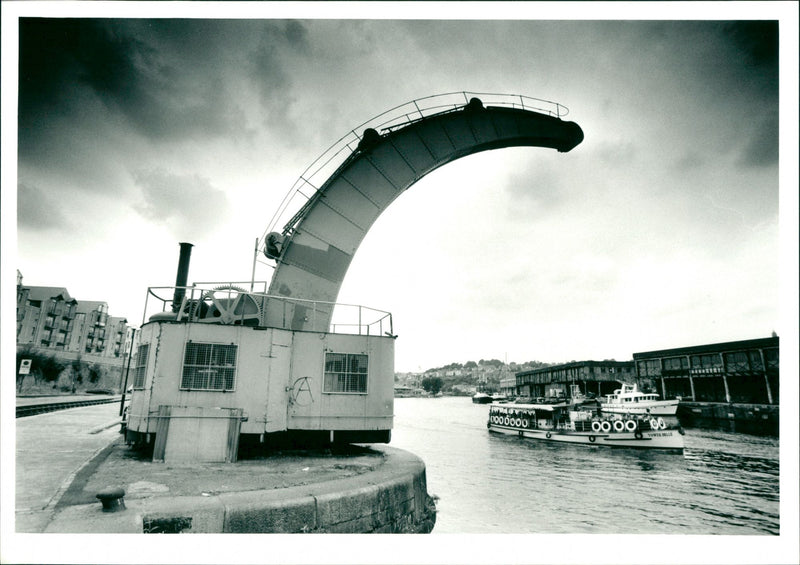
517 281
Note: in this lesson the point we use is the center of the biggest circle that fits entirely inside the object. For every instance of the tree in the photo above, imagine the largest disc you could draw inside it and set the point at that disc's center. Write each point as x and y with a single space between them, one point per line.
50 368
95 373
43 366
432 384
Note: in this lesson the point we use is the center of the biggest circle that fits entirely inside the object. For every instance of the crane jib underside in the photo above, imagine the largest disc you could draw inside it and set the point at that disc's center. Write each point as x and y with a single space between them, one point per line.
318 244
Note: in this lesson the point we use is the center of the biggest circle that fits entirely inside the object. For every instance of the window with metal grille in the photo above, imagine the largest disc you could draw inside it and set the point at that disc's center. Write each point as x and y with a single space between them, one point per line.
209 366
707 363
650 368
141 365
772 358
345 373
737 362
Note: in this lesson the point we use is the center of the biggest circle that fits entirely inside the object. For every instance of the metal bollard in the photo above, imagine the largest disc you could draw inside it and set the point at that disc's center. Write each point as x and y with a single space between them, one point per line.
112 499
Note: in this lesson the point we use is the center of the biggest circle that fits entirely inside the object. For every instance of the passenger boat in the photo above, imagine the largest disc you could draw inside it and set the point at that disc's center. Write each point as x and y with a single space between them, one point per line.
482 398
570 423
630 400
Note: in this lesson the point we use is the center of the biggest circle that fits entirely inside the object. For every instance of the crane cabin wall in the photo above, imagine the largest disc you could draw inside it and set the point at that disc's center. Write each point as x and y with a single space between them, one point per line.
278 380
311 407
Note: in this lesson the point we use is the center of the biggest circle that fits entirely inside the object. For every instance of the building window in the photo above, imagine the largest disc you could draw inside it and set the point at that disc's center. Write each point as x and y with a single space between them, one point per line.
676 363
345 373
209 366
141 365
650 368
772 359
705 364
737 362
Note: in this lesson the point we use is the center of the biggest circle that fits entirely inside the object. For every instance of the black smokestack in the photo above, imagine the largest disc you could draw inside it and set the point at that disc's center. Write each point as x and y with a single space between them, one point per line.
183 275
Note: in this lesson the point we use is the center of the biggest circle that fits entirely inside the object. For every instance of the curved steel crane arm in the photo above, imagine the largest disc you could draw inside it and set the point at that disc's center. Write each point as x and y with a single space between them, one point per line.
316 251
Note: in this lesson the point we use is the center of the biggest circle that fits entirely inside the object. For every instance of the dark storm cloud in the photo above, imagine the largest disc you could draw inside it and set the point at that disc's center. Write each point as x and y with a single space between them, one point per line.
169 78
757 41
157 96
39 211
762 146
270 75
187 204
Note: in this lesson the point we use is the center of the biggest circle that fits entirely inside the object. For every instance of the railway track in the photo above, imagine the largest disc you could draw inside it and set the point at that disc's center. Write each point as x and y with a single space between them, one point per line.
41 408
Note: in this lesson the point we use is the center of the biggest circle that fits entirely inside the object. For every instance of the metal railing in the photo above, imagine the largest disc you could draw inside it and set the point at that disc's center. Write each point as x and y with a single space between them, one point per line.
238 306
312 179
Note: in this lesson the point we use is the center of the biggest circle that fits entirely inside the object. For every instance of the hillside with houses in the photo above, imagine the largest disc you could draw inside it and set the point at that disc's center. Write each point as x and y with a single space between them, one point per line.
463 379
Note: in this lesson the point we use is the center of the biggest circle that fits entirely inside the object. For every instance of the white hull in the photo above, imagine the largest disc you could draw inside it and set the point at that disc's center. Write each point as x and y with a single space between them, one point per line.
659 408
650 439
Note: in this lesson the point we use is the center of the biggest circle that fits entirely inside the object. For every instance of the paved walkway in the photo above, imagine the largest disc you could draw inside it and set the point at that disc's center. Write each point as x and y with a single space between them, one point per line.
51 448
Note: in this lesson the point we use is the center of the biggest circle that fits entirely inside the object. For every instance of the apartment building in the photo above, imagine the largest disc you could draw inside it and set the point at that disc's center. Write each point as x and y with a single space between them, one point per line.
49 318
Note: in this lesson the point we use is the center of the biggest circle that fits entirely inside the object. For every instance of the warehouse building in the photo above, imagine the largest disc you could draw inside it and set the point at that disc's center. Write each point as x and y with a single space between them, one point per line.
738 372
593 377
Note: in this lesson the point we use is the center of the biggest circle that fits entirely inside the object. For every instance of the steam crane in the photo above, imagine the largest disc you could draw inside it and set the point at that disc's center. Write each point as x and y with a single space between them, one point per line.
221 363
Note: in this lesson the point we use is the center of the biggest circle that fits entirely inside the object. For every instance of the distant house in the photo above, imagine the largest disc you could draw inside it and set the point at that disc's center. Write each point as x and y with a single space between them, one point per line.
408 391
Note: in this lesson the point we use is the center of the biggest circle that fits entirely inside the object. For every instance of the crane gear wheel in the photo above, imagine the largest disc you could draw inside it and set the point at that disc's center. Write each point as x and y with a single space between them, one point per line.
230 304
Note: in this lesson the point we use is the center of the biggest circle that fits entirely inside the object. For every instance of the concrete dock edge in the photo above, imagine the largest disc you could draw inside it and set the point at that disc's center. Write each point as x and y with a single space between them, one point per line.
391 499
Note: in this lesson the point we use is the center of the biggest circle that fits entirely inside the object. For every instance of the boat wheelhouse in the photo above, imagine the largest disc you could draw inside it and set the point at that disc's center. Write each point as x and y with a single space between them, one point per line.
481 398
630 400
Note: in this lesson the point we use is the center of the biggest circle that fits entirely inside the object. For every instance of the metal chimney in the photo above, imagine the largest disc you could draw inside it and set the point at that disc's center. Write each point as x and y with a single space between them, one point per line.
182 276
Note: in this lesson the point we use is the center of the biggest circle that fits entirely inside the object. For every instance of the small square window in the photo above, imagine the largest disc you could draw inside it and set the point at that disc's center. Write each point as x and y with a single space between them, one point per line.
209 366
345 373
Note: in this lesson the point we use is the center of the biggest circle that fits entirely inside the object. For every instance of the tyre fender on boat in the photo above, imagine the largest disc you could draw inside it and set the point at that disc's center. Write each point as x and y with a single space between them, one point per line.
605 426
662 425
653 424
524 422
596 426
619 425
505 421
630 425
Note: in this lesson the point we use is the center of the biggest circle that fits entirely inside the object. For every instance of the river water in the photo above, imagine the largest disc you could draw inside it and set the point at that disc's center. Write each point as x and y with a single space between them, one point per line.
723 483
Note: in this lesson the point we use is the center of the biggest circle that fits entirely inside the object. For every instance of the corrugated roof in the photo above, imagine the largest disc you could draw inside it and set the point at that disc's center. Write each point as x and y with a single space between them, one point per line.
574 364
710 348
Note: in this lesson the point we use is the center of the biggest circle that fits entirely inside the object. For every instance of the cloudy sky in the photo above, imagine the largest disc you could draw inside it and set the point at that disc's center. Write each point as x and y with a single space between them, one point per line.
660 230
